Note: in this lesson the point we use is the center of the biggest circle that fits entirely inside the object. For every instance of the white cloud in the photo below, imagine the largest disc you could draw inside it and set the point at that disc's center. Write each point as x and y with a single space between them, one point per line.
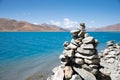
35 23
66 23
57 23
69 23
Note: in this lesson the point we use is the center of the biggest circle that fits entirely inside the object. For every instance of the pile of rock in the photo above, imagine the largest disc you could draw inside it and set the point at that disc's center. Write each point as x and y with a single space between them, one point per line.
80 60
111 53
110 59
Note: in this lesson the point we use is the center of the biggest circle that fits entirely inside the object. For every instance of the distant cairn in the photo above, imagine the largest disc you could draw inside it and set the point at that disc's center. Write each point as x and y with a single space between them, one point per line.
110 59
80 59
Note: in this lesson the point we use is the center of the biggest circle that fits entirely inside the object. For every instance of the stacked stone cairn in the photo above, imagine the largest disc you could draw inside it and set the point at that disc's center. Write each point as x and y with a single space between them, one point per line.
80 60
110 59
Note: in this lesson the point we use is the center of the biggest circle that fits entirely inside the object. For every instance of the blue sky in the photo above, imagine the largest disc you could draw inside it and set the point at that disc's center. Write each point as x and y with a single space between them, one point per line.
65 13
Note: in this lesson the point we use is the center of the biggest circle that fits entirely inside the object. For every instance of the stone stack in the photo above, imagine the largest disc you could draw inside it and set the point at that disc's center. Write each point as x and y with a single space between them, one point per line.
110 59
80 60
111 53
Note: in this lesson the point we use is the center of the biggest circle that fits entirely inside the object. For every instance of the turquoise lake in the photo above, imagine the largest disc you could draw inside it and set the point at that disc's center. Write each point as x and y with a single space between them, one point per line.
24 53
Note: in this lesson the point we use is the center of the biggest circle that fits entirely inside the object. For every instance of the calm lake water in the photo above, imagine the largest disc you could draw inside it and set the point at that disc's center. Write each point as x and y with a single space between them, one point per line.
24 53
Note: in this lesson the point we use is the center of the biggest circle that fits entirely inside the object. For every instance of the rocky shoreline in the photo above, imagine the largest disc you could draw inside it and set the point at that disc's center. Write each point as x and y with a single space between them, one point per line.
80 59
110 59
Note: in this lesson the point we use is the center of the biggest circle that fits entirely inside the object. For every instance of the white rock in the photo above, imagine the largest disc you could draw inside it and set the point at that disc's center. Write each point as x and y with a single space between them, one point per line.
68 53
55 69
84 74
110 56
81 34
66 43
106 51
59 74
105 71
82 26
76 77
61 56
72 46
110 43
112 52
88 40
94 71
79 61
96 41
87 46
87 57
86 35
86 67
92 61
86 52
75 42
93 66
110 60
74 33
50 78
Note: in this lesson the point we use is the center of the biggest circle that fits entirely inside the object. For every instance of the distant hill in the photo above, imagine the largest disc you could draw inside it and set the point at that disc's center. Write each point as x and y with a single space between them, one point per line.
115 27
13 25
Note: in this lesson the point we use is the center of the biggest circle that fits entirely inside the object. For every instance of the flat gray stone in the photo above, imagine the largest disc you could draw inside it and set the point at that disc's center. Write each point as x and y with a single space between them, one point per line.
72 46
96 41
55 69
74 41
76 77
82 26
81 34
87 57
74 33
86 52
94 66
61 56
110 43
86 35
68 53
79 61
87 46
110 60
105 52
50 78
59 74
110 56
66 43
92 61
88 40
112 52
84 74
94 71
86 67
105 71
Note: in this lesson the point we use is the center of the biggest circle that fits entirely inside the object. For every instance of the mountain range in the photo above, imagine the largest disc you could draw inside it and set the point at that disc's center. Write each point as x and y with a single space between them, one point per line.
13 25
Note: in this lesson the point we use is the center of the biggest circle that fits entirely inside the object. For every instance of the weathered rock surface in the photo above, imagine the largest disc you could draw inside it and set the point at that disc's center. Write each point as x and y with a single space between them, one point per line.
80 59
68 72
76 77
85 74
110 60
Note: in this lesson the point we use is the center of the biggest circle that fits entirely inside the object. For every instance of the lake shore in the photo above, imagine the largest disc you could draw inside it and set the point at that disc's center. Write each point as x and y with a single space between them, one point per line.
46 70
